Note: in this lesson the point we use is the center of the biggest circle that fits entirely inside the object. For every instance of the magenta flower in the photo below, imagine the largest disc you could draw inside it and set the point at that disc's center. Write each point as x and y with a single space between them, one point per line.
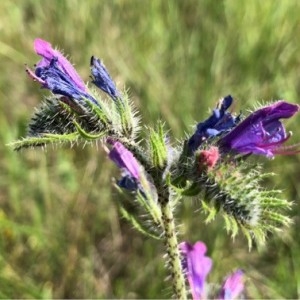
197 267
45 50
57 74
233 285
261 132
130 167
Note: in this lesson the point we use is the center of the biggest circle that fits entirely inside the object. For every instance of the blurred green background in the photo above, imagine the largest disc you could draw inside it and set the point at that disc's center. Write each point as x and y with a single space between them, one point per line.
60 231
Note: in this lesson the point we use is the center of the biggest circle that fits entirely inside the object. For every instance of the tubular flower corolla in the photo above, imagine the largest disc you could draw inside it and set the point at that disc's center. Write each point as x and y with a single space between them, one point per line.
57 74
261 132
130 167
197 267
233 285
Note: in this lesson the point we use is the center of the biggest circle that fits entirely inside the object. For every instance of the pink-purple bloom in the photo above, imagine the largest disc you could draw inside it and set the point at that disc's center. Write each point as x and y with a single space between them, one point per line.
57 74
197 267
262 132
130 167
46 51
233 285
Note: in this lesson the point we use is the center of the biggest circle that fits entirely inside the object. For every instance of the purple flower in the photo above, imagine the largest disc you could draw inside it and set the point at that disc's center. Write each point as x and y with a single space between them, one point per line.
233 285
130 167
220 121
261 132
102 79
45 50
197 267
57 74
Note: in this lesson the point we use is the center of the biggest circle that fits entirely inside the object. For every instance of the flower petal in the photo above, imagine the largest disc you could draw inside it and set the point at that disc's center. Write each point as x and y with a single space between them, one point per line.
197 267
261 132
233 285
102 78
56 80
45 50
220 121
124 159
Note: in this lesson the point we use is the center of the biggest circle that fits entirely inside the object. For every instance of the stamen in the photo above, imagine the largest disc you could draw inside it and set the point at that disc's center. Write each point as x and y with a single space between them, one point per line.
33 76
270 145
287 150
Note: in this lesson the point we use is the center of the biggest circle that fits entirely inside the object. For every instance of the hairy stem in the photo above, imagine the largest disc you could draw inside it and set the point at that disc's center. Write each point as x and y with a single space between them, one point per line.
173 254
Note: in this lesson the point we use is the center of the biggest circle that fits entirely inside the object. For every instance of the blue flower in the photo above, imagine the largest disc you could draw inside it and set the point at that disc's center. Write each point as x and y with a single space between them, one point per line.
219 122
57 74
102 79
261 132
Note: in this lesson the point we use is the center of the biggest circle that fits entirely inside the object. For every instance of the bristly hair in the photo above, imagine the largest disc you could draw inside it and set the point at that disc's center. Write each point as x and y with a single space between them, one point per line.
235 192
51 117
58 116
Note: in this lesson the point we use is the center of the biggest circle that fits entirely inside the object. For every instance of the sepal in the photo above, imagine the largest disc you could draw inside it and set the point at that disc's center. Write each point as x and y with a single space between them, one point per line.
60 117
157 147
137 224
125 120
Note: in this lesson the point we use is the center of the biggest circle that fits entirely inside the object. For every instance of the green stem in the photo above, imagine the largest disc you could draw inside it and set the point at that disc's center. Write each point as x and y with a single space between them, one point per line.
173 253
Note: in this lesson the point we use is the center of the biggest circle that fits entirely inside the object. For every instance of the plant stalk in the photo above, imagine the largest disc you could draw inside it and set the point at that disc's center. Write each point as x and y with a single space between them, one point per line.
173 254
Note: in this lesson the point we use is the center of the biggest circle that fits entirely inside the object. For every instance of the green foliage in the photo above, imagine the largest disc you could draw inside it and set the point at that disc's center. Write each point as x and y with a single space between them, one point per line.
128 119
237 193
176 57
158 148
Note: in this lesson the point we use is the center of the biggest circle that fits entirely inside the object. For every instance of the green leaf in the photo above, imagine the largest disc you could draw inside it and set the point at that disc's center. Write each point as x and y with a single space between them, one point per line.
137 224
44 140
88 136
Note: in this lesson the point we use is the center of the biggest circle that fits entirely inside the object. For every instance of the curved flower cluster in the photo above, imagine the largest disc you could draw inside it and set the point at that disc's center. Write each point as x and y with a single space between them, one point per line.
57 74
